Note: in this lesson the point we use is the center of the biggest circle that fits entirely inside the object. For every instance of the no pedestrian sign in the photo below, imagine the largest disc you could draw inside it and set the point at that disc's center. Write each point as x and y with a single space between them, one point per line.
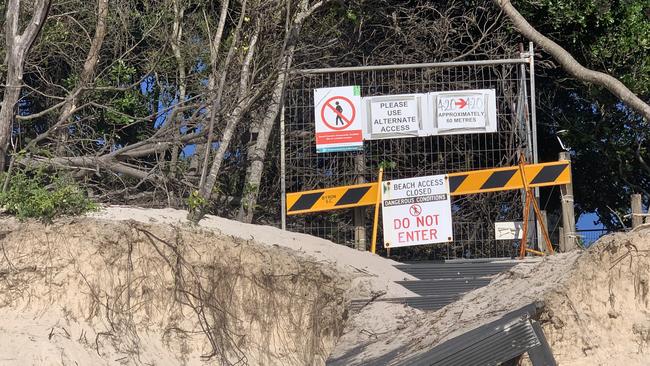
416 211
337 116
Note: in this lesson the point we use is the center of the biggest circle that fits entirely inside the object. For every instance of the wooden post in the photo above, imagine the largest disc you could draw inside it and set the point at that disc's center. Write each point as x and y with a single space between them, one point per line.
375 221
637 210
561 239
360 212
568 211
544 224
360 228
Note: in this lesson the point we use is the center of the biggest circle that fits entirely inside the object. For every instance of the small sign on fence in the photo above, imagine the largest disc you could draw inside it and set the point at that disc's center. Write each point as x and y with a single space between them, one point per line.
465 111
391 116
338 121
509 230
416 211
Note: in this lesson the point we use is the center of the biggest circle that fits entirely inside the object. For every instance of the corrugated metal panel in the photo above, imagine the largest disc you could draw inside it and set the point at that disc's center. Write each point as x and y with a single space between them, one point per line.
496 349
542 354
425 264
454 271
421 302
444 287
439 285
490 344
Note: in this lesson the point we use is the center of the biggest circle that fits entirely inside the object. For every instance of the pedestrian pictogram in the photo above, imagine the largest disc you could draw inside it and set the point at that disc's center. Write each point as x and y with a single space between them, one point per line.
338 113
338 125
415 210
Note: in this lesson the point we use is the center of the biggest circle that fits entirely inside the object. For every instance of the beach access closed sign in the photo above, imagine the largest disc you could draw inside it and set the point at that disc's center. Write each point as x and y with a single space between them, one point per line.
338 119
416 211
392 116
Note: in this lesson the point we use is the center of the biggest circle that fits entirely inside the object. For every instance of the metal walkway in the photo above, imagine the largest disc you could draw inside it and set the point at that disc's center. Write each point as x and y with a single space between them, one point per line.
500 342
441 283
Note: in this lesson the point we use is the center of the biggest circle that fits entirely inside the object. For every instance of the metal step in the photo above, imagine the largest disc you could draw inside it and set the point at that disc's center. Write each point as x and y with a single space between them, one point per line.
444 287
419 302
454 271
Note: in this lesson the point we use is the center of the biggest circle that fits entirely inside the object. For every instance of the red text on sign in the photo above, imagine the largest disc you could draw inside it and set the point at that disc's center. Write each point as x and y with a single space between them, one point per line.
423 232
427 220
417 235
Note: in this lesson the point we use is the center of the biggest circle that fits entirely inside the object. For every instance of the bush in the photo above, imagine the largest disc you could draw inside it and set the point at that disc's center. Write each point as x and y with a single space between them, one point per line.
42 196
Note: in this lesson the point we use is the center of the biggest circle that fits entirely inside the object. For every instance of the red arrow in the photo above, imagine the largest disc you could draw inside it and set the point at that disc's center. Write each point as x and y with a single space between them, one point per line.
461 104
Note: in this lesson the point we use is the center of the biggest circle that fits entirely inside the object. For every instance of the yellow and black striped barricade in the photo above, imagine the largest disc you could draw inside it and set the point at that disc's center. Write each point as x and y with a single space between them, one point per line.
503 179
332 198
476 181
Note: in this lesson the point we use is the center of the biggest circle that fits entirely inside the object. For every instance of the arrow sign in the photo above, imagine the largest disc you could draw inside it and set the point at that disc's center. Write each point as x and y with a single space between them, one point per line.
461 103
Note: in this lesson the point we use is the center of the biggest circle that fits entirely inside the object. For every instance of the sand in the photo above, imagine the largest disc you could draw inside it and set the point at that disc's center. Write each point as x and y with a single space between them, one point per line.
595 308
375 274
131 286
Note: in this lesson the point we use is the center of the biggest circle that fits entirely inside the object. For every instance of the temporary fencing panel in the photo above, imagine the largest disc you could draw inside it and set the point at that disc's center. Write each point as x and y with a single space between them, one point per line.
474 215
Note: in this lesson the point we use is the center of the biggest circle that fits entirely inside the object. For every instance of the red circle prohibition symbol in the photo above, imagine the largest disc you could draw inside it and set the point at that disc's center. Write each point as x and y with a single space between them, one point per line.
415 210
348 122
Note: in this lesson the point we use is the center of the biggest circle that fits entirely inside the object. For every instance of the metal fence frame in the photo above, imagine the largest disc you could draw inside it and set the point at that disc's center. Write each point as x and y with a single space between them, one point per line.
525 76
590 236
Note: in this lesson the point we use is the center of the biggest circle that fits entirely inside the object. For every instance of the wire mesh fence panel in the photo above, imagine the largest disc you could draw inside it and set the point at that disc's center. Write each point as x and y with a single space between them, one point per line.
474 215
588 237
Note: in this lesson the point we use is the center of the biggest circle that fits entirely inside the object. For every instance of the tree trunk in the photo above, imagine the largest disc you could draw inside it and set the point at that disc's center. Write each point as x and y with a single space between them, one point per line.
88 71
216 91
570 64
244 100
257 152
17 47
12 93
177 36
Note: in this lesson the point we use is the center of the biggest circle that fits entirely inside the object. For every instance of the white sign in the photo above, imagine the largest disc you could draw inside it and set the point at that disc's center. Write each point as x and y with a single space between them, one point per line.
467 111
416 211
392 116
508 230
338 120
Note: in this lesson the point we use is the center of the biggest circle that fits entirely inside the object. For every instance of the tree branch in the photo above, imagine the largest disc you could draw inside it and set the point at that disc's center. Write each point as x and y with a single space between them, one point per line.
570 64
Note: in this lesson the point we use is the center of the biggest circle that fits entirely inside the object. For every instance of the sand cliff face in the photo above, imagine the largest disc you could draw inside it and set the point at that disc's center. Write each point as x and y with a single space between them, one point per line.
600 314
142 287
91 291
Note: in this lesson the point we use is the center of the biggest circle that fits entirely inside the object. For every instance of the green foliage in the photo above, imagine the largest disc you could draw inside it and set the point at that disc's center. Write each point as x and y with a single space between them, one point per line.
350 14
56 31
600 33
122 73
609 141
195 201
42 196
388 165
129 103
